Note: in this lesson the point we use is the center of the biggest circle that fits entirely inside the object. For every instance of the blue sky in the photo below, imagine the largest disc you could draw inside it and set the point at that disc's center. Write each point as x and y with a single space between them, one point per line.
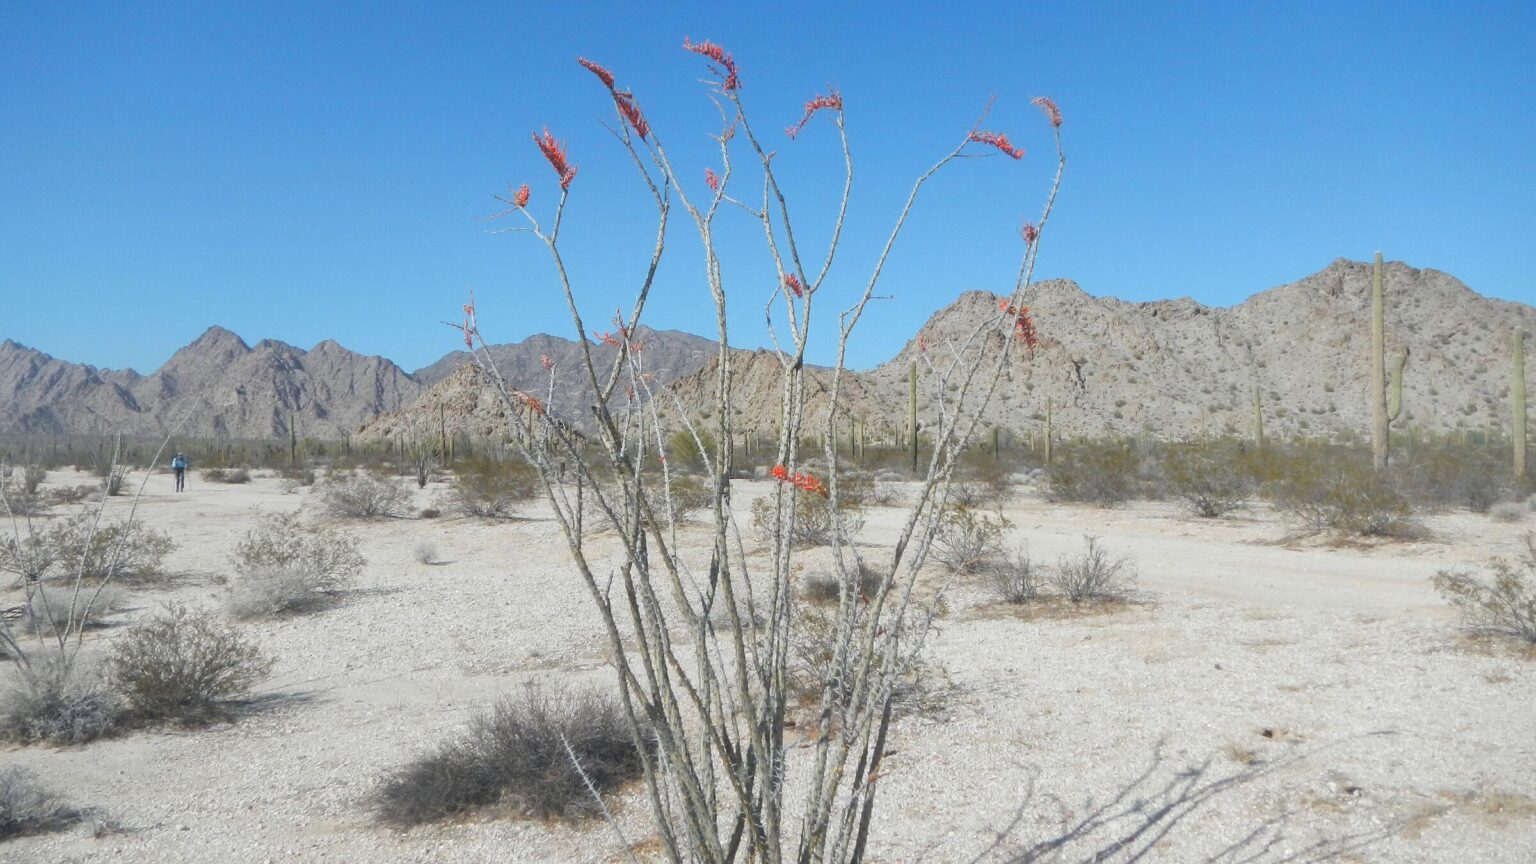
307 171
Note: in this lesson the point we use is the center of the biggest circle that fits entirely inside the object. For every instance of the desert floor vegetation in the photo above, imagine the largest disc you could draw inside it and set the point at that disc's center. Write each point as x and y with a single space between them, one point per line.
1362 714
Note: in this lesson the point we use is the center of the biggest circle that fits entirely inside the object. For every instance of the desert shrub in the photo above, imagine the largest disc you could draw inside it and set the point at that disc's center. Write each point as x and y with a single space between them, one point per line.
813 518
687 494
968 540
32 476
114 479
183 667
491 488
298 474
425 552
1015 579
51 611
69 494
282 565
233 476
57 704
1105 473
17 501
1095 576
815 666
1508 511
363 496
1504 606
83 545
1439 475
514 753
429 513
1206 480
683 451
1345 496
828 587
26 807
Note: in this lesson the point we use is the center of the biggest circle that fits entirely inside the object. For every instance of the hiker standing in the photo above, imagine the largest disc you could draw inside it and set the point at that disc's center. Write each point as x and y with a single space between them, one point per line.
179 467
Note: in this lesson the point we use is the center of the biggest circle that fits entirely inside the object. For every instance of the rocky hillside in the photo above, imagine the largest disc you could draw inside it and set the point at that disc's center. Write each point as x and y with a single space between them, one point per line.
1175 367
1106 366
218 383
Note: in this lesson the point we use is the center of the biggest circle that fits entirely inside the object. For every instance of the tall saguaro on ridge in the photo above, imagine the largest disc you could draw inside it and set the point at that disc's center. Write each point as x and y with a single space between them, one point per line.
1383 415
1517 398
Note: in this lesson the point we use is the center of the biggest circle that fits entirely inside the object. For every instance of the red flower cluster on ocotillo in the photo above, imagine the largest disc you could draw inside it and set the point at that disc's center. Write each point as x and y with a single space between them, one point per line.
726 68
602 74
1052 113
1023 324
529 402
833 100
800 480
547 363
468 327
1030 233
1000 141
520 197
554 151
792 282
622 99
711 180
922 343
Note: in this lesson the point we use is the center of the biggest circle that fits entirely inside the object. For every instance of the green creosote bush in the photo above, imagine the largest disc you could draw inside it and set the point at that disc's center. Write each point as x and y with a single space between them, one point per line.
1104 473
814 522
491 488
54 703
1207 480
86 545
185 668
967 540
1344 496
1502 606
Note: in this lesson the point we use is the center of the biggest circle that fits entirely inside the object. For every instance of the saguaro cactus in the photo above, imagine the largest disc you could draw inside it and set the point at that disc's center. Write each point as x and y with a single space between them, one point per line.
1383 415
1517 398
1048 436
1258 417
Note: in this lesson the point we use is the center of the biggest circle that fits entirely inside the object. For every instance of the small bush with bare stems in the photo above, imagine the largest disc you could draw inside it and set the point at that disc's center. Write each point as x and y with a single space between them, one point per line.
828 588
490 488
1015 579
32 476
184 667
543 752
1504 605
350 495
55 703
969 540
1095 576
230 476
27 807
46 613
283 565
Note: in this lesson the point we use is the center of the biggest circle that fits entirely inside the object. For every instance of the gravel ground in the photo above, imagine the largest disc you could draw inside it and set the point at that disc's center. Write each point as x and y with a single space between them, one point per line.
1261 699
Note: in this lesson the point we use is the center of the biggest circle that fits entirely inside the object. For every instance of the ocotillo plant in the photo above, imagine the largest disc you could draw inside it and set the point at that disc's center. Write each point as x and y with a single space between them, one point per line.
1048 436
699 639
1383 415
1517 398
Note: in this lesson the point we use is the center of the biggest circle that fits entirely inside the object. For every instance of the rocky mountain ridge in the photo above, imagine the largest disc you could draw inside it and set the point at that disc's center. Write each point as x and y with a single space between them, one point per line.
1105 366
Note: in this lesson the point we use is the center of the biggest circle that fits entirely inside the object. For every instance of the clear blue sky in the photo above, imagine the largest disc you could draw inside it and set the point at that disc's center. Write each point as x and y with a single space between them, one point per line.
304 171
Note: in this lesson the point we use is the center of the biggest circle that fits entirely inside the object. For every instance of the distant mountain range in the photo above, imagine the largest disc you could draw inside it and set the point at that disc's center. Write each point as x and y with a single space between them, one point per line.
1171 367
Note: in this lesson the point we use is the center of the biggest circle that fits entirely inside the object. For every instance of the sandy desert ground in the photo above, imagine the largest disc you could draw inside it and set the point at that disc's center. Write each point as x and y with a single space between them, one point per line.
1264 700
